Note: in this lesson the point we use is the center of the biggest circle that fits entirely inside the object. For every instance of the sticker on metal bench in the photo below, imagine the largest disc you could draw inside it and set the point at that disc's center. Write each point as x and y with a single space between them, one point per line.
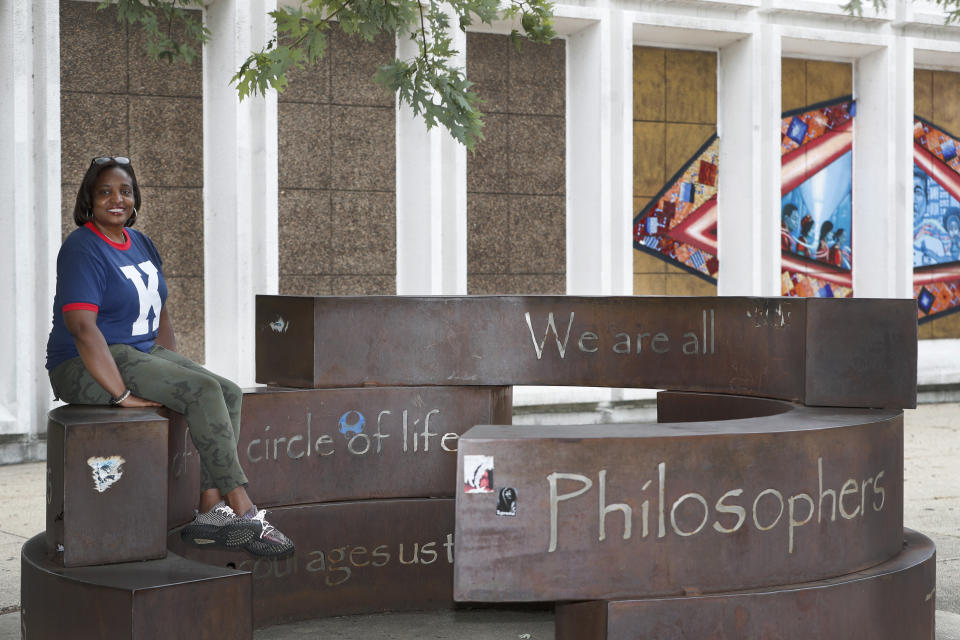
106 471
478 474
507 502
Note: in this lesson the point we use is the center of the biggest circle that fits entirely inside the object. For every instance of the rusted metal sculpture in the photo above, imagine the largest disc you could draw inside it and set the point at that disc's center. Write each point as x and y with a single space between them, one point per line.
769 494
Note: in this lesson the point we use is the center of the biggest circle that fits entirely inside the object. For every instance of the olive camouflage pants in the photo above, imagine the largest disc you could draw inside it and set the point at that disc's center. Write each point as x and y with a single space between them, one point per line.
210 403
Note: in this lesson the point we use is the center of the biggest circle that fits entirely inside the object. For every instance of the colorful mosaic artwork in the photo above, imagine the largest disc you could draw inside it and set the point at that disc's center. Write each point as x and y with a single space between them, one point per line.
815 217
815 207
680 224
936 221
808 285
803 126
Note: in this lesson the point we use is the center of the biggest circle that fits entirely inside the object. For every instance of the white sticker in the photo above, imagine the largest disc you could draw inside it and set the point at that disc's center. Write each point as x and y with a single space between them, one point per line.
106 471
280 325
477 474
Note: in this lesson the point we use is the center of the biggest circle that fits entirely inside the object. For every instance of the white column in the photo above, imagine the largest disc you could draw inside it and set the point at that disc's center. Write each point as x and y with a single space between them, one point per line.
598 133
748 200
239 188
431 176
588 141
30 176
620 103
882 173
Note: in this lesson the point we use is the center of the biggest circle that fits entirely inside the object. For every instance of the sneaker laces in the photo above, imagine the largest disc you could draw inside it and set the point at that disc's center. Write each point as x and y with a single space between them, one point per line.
225 509
266 527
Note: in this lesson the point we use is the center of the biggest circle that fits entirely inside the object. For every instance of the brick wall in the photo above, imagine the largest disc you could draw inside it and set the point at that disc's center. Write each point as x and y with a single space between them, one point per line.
116 101
337 177
516 211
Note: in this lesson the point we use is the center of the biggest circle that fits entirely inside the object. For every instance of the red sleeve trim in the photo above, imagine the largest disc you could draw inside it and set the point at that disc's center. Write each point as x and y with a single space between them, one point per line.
81 306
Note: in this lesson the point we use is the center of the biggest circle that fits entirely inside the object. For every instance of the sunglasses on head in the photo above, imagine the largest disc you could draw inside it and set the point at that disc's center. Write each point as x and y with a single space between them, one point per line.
105 159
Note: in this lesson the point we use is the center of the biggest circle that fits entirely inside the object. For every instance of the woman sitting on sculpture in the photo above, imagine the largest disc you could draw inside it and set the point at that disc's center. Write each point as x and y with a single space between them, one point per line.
112 343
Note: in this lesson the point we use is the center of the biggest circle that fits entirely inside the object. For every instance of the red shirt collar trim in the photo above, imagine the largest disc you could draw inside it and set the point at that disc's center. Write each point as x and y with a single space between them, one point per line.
115 245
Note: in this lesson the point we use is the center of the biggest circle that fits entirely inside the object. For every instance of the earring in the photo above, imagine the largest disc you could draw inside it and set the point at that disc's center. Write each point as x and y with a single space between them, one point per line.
133 218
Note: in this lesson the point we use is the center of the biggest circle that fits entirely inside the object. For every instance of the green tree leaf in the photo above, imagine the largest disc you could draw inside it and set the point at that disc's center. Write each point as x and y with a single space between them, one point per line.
431 84
172 32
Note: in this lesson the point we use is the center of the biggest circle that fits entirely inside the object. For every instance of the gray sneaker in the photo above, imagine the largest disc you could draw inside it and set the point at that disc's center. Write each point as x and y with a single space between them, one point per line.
220 528
270 542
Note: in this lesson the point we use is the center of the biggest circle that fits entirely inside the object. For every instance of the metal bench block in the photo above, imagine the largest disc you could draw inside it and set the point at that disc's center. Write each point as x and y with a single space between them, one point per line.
300 446
352 557
610 511
847 353
106 485
152 600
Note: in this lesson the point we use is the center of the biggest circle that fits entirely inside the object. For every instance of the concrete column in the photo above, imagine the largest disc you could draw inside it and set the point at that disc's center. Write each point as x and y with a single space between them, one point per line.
748 197
588 141
620 104
883 173
239 188
30 176
431 198
599 158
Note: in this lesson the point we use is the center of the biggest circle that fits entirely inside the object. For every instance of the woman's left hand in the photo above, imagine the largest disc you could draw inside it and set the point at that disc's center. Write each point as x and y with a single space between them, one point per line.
132 401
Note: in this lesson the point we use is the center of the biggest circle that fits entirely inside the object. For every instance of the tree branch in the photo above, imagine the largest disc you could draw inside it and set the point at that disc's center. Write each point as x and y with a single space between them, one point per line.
429 82
423 34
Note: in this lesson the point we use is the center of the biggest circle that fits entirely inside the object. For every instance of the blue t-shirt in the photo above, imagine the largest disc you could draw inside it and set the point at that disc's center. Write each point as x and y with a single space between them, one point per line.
122 283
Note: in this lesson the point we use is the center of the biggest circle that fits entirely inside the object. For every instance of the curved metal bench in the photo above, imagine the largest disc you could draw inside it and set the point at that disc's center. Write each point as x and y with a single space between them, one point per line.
777 461
613 511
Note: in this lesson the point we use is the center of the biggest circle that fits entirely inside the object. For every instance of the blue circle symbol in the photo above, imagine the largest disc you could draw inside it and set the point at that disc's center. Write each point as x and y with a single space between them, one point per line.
356 426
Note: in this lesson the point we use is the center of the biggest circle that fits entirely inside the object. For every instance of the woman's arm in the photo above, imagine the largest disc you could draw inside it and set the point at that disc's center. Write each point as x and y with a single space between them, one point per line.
166 338
92 347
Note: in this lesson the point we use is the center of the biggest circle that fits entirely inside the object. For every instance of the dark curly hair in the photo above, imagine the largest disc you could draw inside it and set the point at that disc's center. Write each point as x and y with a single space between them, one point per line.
83 209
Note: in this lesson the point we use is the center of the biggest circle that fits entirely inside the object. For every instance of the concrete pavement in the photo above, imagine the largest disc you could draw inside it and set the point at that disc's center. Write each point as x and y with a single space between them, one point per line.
932 506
